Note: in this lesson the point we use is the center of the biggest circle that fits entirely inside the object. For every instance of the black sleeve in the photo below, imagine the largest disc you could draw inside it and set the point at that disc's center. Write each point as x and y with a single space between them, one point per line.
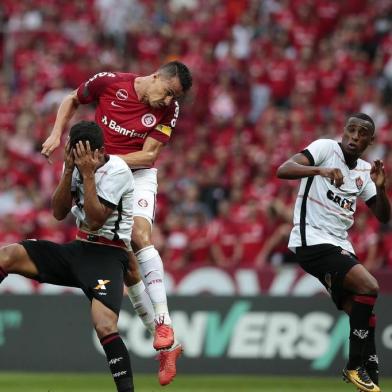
370 201
309 156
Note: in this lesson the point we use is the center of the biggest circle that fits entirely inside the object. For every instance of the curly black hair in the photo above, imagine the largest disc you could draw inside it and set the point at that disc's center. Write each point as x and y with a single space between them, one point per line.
86 130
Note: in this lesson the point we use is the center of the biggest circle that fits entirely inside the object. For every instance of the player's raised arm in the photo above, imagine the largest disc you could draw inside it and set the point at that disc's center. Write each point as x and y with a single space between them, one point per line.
380 205
66 110
300 165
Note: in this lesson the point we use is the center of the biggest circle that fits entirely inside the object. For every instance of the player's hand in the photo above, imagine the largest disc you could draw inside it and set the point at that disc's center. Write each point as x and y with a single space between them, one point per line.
377 173
86 160
69 161
335 175
49 145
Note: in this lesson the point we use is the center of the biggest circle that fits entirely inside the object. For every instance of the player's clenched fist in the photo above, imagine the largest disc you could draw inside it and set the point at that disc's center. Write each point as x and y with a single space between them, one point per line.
335 175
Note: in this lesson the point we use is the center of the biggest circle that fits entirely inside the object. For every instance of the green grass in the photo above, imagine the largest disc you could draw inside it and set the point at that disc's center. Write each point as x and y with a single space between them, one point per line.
65 382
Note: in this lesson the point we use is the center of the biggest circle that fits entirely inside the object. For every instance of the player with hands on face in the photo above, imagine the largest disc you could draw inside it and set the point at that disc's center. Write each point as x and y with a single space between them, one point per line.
93 185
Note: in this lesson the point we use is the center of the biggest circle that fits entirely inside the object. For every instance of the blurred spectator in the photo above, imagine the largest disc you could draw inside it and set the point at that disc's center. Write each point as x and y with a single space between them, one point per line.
269 77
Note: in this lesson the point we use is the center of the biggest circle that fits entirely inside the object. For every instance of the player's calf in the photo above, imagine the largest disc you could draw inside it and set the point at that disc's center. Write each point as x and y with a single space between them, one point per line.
119 362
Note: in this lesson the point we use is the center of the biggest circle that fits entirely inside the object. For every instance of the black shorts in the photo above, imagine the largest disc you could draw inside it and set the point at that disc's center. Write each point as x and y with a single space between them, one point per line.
97 269
329 264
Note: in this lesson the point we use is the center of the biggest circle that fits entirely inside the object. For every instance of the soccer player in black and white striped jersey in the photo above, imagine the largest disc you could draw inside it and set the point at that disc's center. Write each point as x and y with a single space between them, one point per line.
332 178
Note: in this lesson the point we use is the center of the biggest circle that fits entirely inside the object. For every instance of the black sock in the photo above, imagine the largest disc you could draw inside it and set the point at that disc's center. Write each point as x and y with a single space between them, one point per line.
119 362
359 329
3 274
371 360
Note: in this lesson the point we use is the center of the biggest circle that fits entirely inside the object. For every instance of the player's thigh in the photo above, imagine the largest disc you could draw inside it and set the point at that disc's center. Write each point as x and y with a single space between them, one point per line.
100 271
360 281
330 264
146 188
14 259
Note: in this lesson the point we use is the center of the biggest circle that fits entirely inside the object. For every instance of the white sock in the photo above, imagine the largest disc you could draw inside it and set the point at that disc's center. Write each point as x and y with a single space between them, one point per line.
142 304
151 268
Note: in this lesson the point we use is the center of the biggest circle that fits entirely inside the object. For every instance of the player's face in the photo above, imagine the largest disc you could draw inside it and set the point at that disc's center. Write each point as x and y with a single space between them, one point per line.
358 135
162 91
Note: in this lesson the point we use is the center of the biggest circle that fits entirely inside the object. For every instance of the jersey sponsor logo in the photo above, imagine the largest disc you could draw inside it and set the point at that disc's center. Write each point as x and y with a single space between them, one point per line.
121 130
143 203
101 284
122 94
100 75
341 201
149 120
359 183
164 129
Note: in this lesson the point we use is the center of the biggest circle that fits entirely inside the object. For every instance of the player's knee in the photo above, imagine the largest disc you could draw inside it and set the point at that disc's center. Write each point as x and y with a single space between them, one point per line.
140 238
9 256
369 287
105 326
372 287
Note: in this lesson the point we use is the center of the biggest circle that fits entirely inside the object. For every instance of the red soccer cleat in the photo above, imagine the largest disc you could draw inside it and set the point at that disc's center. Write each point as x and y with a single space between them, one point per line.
164 336
167 364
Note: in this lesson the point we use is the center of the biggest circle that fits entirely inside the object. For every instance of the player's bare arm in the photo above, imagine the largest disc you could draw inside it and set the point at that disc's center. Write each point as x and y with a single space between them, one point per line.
381 207
66 110
62 197
299 166
87 162
146 157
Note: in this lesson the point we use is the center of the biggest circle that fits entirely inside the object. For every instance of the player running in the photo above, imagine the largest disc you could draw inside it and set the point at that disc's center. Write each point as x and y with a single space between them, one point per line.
138 115
102 187
332 178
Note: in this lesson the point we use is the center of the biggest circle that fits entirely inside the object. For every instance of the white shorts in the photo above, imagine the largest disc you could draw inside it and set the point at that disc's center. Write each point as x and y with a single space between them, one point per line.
146 187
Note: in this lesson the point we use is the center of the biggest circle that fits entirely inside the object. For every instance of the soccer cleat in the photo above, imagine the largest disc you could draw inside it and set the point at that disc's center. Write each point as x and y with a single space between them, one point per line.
167 364
164 336
360 379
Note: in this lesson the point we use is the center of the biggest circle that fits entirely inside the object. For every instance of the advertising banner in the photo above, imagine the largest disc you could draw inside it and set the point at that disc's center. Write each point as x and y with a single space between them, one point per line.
254 335
193 280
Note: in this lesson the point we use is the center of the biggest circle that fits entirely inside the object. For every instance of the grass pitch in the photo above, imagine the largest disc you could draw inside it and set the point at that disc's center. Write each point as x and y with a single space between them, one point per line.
66 382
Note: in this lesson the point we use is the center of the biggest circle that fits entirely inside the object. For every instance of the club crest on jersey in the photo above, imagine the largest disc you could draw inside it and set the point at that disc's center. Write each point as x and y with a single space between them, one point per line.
359 183
149 120
143 203
122 94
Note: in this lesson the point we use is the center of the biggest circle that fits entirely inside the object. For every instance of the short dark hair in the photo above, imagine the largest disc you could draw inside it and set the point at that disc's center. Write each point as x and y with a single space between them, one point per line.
176 68
86 130
365 117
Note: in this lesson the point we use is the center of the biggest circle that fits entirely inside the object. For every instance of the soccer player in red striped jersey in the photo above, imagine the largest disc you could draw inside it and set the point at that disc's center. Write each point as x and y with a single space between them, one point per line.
138 115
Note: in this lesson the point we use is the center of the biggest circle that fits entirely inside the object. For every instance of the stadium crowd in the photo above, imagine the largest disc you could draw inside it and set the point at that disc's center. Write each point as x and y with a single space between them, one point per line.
269 77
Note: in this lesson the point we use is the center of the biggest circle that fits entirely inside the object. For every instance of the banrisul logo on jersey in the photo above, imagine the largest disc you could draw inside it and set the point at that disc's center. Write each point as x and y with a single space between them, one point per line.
263 335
